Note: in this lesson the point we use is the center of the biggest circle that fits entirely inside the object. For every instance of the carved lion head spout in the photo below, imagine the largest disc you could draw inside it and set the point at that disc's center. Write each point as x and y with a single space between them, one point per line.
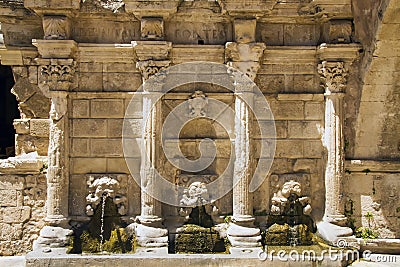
195 195
290 191
104 187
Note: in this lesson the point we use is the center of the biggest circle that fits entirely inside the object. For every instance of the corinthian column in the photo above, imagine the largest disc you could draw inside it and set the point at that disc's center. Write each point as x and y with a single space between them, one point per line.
149 230
242 234
333 76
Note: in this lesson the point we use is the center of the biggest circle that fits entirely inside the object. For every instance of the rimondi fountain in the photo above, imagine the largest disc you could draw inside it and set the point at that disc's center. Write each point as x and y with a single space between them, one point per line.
212 129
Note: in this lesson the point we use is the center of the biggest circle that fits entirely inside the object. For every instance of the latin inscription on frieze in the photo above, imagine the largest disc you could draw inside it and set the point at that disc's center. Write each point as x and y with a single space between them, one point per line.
100 31
21 35
198 33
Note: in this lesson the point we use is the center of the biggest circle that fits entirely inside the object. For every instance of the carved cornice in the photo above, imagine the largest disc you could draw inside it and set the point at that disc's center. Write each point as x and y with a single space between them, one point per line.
56 48
152 50
333 76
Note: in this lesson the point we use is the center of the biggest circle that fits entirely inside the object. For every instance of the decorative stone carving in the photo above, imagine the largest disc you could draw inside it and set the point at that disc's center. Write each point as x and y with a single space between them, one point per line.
244 57
56 27
277 182
151 67
152 28
339 31
280 199
245 30
57 75
197 103
333 76
114 6
196 195
105 186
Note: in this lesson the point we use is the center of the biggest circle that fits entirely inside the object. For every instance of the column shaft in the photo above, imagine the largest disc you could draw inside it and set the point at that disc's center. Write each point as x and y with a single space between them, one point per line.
242 205
151 208
57 172
335 158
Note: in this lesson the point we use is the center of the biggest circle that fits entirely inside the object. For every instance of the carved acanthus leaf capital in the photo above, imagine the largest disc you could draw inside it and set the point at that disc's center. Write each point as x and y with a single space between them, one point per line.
152 67
333 76
57 75
245 57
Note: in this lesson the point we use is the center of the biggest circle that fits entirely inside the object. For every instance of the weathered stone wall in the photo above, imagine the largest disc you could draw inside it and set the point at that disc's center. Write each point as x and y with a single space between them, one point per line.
22 212
372 187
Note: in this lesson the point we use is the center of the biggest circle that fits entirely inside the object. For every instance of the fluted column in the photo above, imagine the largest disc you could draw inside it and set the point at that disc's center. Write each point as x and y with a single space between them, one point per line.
151 208
243 55
242 206
334 142
153 58
56 77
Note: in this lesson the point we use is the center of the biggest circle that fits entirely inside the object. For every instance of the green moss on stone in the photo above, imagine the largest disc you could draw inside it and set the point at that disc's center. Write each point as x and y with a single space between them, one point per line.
194 239
119 242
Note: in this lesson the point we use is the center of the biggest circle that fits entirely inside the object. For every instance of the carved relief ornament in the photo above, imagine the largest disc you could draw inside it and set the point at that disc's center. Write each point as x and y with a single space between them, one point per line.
56 27
333 76
149 68
58 75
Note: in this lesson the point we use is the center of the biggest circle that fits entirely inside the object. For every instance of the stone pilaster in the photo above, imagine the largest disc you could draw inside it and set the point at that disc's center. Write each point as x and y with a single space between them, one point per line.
244 56
334 79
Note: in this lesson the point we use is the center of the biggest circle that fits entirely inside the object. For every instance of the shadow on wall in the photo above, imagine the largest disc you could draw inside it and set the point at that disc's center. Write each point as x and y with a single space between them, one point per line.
8 112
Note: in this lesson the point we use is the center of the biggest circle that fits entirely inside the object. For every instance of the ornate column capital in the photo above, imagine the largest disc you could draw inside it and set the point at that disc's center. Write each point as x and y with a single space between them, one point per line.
244 57
149 68
56 74
333 76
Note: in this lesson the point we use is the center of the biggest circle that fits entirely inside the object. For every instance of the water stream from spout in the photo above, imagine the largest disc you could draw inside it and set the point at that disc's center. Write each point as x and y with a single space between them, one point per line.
103 203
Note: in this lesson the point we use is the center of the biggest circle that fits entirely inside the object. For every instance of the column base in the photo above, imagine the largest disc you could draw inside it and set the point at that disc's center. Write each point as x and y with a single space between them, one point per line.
59 221
243 237
52 237
151 236
339 220
334 234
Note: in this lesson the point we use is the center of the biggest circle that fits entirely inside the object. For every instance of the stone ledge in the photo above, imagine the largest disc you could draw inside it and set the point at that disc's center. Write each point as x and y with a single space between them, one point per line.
380 245
304 97
25 164
372 166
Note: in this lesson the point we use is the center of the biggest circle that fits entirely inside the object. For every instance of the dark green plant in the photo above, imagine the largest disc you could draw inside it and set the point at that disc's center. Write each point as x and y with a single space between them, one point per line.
44 167
227 219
